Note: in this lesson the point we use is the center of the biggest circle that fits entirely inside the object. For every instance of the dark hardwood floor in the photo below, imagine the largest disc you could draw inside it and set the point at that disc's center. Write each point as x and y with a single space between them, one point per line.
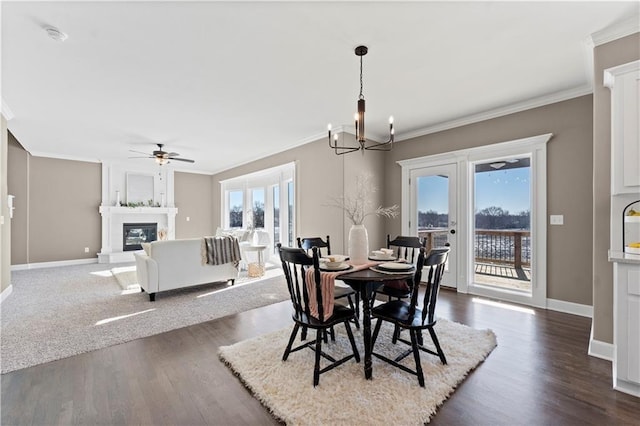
540 374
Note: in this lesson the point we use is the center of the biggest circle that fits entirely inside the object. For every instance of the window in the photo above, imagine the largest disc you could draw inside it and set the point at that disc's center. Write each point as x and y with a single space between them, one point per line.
263 200
235 203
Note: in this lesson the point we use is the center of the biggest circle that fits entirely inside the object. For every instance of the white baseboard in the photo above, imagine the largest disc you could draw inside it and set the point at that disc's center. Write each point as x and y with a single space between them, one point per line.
38 265
570 308
5 293
600 349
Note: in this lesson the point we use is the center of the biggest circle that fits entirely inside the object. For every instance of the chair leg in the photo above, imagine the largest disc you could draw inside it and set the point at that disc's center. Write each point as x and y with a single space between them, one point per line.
416 356
332 333
292 338
355 309
396 334
376 330
356 354
432 332
316 367
303 335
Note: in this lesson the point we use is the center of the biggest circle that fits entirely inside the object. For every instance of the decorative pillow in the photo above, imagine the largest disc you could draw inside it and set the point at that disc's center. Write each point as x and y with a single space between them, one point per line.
147 248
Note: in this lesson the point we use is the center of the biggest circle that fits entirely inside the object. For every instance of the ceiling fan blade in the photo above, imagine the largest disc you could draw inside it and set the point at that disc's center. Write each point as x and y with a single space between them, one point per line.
139 152
141 157
173 154
186 160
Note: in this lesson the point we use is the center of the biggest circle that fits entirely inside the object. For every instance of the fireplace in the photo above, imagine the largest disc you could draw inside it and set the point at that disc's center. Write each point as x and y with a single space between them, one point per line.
134 234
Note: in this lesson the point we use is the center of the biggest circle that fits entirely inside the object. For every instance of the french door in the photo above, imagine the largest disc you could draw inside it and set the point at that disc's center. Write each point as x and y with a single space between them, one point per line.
433 212
456 198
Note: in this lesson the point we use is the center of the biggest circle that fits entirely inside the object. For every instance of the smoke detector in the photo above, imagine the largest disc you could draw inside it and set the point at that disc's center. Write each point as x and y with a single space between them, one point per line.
56 34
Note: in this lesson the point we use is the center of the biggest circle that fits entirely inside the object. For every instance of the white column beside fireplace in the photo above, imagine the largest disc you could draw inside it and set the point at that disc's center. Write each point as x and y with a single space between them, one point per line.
114 217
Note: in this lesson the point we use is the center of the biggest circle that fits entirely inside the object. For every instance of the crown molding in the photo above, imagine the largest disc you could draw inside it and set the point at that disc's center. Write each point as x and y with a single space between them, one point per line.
618 30
499 112
6 111
63 157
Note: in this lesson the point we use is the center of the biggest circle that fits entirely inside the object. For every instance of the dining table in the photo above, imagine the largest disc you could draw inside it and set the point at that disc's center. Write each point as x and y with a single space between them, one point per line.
365 282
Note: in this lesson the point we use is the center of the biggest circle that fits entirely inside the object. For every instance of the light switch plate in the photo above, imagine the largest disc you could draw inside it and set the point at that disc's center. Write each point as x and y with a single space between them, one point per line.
556 219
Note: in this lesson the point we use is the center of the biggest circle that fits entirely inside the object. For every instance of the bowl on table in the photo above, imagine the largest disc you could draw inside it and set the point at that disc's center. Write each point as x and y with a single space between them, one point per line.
334 261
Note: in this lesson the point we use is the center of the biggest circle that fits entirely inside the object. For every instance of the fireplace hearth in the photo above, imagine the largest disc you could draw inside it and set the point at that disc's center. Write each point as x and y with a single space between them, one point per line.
134 234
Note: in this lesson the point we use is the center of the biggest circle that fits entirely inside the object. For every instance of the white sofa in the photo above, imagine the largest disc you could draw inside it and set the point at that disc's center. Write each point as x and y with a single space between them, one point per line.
171 264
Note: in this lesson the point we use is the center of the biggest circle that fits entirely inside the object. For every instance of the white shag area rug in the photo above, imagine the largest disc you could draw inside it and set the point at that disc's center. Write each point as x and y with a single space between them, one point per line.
343 396
54 313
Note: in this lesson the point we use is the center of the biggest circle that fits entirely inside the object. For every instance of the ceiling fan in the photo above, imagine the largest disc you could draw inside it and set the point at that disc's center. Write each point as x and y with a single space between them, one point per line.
163 157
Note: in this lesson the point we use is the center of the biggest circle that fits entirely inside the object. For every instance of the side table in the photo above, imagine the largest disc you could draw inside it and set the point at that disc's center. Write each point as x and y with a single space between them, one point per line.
256 269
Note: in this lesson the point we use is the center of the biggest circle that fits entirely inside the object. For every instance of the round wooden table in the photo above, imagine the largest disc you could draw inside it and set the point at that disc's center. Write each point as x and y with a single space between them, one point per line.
365 282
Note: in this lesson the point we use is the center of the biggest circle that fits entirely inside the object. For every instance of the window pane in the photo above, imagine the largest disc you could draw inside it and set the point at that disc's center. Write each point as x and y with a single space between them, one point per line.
235 209
433 209
503 224
290 215
276 214
258 208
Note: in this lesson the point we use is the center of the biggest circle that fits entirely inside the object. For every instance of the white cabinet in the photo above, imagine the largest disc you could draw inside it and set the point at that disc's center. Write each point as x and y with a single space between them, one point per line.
624 82
626 324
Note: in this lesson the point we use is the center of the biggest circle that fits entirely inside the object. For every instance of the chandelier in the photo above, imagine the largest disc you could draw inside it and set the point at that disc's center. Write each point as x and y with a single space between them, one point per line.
359 124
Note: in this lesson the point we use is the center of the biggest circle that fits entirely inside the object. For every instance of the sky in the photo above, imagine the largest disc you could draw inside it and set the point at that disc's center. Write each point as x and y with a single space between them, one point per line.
509 189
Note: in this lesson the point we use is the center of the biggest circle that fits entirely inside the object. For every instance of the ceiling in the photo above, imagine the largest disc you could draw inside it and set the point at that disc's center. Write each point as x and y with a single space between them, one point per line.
226 83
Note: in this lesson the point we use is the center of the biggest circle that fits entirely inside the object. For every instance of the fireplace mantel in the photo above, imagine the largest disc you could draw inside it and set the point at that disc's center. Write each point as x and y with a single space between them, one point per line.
112 220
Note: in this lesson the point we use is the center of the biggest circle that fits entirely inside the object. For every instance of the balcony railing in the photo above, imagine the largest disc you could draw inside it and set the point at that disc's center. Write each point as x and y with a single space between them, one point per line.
506 247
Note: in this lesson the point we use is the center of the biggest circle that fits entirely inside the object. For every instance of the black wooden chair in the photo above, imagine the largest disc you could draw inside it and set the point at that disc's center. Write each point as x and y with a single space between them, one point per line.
407 248
295 262
409 315
340 292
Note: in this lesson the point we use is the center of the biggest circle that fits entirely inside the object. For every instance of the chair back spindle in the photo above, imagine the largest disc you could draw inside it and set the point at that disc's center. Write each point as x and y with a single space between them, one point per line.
433 264
406 247
295 262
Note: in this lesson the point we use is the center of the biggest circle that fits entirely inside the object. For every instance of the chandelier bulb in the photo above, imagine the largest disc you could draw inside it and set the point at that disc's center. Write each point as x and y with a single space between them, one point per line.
391 119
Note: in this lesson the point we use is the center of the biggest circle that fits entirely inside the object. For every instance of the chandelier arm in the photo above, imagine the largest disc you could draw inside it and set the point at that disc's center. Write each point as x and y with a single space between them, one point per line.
346 151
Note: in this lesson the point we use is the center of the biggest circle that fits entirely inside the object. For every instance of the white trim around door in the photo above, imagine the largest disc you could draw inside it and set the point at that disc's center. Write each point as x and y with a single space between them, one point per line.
535 147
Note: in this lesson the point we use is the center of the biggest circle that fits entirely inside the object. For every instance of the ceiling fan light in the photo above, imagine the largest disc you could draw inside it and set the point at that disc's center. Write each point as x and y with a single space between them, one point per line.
56 34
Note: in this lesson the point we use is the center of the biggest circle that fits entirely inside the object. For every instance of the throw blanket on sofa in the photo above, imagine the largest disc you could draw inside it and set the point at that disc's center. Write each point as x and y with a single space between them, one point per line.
221 250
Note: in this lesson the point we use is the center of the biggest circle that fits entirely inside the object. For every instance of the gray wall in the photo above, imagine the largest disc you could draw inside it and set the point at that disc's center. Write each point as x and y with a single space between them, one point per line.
608 55
61 215
5 228
320 175
18 186
193 194
569 160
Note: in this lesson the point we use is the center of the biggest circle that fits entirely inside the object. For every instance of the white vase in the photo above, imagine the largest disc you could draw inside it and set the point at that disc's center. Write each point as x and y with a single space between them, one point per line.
358 244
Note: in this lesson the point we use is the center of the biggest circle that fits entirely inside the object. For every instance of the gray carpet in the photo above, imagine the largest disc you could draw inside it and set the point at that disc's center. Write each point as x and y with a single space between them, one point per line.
54 313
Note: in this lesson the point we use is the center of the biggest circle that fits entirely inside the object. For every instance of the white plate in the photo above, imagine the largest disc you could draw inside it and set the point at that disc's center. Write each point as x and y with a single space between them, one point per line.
341 267
372 257
383 271
632 250
395 266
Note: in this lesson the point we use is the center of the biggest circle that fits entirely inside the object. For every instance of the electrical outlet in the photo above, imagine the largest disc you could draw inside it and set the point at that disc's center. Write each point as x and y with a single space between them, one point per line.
556 219
86 249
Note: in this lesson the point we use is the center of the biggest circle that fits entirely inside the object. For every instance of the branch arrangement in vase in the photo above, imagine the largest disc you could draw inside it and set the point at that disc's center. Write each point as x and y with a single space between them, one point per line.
358 206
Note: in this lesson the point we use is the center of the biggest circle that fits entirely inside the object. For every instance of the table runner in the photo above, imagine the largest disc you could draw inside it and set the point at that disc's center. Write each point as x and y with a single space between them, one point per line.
327 281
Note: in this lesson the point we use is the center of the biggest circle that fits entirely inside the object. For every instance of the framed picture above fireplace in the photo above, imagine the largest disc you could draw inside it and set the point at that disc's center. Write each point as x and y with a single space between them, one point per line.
140 188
